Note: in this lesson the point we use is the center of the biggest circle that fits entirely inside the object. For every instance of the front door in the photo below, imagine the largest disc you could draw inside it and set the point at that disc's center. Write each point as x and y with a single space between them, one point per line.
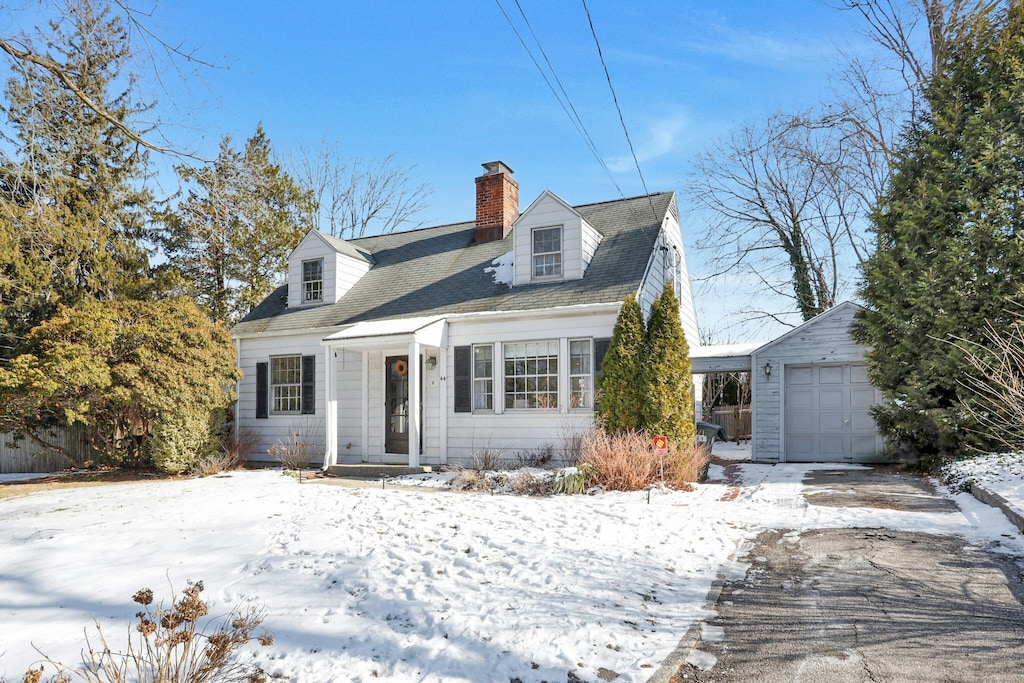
396 405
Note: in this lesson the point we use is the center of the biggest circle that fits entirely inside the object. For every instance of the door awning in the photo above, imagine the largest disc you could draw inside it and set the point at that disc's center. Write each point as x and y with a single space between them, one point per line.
378 334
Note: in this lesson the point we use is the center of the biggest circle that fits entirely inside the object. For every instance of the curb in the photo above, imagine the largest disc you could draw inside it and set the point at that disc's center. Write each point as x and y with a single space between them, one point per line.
997 501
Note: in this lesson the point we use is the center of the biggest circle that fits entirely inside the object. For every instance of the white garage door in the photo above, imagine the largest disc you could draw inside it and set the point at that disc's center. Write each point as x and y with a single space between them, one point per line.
826 415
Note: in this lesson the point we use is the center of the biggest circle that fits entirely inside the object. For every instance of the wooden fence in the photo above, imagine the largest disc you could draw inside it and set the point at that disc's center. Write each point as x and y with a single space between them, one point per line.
28 456
734 420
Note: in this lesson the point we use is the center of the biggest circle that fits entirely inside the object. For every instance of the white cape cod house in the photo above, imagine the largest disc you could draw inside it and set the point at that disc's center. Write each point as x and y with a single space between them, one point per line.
427 346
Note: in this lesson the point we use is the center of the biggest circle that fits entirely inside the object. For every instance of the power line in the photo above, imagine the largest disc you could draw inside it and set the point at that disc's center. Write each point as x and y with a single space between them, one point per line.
566 105
614 98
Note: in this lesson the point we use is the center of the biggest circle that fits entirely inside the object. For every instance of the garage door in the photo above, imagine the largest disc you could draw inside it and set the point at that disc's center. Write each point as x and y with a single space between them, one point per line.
827 415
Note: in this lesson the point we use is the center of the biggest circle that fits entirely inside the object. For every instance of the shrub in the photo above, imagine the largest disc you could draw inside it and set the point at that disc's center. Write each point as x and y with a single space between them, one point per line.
626 462
300 448
486 459
183 438
572 480
170 646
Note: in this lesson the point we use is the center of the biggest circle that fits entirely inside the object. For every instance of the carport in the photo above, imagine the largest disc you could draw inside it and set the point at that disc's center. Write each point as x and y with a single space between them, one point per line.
810 393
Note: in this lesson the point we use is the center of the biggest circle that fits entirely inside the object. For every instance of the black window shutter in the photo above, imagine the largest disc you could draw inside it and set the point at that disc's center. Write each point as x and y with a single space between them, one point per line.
600 349
463 379
309 385
262 393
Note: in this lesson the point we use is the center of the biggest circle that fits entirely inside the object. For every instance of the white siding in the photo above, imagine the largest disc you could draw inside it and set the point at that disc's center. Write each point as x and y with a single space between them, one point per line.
546 212
347 381
276 428
519 433
591 240
823 340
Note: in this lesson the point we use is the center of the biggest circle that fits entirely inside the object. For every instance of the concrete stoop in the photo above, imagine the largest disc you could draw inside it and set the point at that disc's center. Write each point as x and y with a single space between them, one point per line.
369 470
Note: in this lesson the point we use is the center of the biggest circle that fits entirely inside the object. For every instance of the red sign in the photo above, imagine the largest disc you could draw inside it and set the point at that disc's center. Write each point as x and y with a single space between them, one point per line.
660 443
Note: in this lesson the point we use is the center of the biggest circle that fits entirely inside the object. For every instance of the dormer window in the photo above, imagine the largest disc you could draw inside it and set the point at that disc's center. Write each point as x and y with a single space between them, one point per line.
547 253
313 281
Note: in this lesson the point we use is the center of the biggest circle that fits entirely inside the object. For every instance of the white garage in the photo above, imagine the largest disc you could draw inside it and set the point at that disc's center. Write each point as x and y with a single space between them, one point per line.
811 395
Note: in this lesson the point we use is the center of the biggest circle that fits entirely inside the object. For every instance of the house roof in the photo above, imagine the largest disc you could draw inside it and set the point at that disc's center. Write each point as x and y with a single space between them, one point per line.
440 271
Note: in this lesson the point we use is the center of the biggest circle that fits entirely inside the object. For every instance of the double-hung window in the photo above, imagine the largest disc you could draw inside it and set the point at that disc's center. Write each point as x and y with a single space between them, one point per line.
531 375
581 377
547 253
286 384
313 281
483 377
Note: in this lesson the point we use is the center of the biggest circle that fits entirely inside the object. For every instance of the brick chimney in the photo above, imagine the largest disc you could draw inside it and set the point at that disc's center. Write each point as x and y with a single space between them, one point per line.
497 202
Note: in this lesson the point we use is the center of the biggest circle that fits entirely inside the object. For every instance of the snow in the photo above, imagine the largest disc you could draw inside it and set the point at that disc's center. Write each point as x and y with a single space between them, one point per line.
503 269
1000 473
730 450
414 584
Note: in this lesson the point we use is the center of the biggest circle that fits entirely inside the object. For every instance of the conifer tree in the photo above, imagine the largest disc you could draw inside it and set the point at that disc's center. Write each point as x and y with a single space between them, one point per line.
620 393
950 254
228 237
666 377
72 207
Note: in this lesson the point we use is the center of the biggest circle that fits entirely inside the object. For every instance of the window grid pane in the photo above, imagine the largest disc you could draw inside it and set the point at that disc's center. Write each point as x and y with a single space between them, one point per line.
483 377
286 384
547 252
531 375
313 280
581 394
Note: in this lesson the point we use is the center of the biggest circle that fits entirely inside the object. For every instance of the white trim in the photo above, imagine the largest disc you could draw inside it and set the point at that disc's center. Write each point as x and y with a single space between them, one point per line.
541 197
364 405
415 391
331 418
442 386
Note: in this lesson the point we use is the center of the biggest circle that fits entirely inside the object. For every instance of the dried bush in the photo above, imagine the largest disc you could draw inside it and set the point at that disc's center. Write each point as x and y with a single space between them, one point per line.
302 446
538 458
170 646
626 462
471 480
486 459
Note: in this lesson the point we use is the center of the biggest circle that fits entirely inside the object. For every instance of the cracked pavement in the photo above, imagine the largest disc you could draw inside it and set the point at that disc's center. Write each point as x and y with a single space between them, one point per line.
840 605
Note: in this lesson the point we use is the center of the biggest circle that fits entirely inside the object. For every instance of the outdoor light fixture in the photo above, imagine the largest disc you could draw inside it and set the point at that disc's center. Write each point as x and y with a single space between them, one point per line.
431 362
767 371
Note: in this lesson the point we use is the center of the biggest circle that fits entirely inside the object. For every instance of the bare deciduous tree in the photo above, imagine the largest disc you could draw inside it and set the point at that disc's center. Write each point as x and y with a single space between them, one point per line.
789 199
781 209
353 198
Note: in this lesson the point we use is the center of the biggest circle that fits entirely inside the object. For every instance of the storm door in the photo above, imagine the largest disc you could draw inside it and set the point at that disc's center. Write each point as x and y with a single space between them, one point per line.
396 405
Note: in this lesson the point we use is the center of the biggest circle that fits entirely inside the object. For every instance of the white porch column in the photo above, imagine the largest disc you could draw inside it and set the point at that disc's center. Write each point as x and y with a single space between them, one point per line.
442 386
331 419
364 404
415 389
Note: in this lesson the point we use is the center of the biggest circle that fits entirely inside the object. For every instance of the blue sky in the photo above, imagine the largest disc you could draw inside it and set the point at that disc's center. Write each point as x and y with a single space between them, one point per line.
446 86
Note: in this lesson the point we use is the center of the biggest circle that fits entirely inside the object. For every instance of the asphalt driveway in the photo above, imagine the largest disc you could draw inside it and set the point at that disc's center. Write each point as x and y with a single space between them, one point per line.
839 605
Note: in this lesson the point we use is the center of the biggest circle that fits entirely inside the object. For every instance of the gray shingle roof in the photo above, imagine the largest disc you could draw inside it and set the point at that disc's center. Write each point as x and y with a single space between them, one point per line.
440 271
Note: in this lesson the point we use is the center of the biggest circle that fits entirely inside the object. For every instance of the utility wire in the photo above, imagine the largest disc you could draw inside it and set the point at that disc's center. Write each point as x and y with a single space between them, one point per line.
566 105
615 99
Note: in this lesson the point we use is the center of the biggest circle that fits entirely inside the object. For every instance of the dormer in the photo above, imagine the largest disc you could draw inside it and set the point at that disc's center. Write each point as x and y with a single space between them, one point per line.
553 243
321 269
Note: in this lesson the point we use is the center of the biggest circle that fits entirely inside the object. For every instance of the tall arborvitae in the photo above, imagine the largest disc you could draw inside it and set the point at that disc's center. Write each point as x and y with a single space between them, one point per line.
620 393
950 253
72 213
667 379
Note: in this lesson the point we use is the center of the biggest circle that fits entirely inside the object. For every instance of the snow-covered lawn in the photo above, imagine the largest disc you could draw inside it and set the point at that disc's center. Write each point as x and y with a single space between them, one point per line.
365 584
